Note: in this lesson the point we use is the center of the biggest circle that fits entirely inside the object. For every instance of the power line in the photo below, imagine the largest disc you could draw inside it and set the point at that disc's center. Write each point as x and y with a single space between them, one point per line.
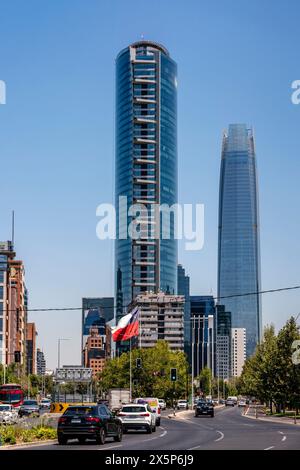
62 309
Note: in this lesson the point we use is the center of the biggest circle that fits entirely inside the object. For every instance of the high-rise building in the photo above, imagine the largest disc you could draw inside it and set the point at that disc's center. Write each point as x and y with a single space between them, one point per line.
97 349
239 251
203 333
238 351
223 358
183 288
161 316
40 362
146 170
31 355
96 312
13 306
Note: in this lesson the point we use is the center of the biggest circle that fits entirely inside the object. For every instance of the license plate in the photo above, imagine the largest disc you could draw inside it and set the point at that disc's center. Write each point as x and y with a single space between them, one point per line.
204 412
75 421
132 417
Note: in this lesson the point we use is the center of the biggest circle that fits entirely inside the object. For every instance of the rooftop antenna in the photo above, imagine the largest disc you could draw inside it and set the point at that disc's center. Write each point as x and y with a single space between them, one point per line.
13 228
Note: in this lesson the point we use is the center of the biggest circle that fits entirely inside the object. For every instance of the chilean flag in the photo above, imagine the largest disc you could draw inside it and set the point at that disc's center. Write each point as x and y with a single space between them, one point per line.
127 327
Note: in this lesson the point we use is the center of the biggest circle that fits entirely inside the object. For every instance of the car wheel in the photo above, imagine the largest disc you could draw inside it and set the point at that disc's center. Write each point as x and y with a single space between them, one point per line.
158 422
154 428
81 440
100 439
149 429
62 440
119 435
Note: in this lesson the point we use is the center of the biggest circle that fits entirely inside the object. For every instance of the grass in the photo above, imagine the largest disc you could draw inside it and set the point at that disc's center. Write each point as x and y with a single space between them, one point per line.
19 435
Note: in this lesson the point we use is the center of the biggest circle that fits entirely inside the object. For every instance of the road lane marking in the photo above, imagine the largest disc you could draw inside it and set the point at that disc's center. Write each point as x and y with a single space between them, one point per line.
283 439
221 437
284 436
112 447
269 448
156 437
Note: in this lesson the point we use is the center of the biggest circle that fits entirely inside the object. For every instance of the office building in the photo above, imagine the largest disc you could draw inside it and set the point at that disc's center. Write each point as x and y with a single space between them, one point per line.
203 333
223 356
238 348
161 317
13 306
97 349
239 251
40 362
183 288
146 170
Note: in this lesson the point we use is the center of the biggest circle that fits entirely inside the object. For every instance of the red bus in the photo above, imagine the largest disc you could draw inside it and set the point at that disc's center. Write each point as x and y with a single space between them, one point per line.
11 394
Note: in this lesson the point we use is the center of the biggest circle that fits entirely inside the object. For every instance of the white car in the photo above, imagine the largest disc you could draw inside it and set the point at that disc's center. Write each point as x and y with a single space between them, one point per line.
8 415
154 405
45 403
162 404
182 405
137 416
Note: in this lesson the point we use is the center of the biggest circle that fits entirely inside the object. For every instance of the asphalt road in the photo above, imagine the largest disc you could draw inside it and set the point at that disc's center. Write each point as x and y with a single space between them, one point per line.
227 430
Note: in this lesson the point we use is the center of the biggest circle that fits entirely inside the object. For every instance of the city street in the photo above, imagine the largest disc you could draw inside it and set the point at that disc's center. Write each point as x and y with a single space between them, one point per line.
228 430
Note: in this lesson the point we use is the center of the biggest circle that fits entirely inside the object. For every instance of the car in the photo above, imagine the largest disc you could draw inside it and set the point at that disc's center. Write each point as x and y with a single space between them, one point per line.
182 405
229 402
84 422
242 402
154 405
204 407
162 404
138 416
45 403
29 407
8 414
215 401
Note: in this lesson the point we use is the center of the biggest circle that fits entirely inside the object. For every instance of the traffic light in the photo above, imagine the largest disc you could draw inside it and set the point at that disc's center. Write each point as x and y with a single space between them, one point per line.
17 356
139 363
173 375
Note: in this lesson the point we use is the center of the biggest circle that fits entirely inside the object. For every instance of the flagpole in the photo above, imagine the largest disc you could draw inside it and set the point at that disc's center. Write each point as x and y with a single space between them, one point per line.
130 372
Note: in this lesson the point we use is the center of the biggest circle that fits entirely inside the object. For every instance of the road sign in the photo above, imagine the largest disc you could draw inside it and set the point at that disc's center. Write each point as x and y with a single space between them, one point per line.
74 374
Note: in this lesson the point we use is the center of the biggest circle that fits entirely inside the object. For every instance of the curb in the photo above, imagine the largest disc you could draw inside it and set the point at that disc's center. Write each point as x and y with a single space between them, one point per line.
27 444
270 420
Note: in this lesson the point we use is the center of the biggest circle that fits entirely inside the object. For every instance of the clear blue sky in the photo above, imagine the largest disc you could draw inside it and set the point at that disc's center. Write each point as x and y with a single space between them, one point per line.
236 61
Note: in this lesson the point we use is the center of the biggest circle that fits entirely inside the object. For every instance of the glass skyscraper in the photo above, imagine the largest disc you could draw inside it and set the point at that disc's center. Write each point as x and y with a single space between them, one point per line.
239 251
146 169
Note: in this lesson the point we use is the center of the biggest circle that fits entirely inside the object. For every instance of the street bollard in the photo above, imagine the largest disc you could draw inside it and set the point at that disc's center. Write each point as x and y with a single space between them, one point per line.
295 419
256 415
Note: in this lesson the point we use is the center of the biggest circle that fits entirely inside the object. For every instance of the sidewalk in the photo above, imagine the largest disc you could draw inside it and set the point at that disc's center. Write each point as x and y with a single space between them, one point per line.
250 413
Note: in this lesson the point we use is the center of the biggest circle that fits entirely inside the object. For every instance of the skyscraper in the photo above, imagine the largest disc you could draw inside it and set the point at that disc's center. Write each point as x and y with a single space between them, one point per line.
146 169
239 251
183 288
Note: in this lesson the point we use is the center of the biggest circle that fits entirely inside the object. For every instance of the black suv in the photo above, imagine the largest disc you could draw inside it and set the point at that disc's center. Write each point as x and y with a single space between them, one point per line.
204 407
88 422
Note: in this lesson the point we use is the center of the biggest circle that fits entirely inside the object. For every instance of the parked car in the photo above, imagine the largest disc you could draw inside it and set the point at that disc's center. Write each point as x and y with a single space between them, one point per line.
89 422
45 403
8 414
215 401
229 402
162 404
204 407
29 407
182 405
154 405
242 402
138 416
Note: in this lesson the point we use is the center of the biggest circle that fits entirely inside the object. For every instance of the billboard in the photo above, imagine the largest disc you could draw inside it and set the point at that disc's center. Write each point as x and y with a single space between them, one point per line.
74 374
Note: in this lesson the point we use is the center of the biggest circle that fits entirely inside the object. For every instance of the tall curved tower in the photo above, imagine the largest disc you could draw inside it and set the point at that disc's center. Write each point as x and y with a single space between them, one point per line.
146 167
239 245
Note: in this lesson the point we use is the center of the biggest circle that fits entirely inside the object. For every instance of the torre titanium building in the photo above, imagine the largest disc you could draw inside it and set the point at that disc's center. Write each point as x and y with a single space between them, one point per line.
239 250
146 169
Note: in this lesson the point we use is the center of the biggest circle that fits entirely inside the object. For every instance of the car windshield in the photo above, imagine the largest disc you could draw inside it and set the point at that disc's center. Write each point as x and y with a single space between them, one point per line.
201 402
30 402
133 409
4 408
80 410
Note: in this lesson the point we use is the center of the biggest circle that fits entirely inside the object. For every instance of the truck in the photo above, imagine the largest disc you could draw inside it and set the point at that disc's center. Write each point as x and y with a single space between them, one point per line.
117 397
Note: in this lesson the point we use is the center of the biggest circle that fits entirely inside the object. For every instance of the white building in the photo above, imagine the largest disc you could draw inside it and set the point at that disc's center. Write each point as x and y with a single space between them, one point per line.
161 317
238 350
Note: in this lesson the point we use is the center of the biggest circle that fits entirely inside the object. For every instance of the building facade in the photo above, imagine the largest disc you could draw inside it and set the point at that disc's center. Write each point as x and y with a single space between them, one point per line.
31 351
40 362
13 307
203 333
223 358
146 171
238 349
97 349
161 317
239 250
183 288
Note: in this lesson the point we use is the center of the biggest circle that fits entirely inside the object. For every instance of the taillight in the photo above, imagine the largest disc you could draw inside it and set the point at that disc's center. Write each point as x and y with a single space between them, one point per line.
62 419
159 410
145 414
122 414
91 419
